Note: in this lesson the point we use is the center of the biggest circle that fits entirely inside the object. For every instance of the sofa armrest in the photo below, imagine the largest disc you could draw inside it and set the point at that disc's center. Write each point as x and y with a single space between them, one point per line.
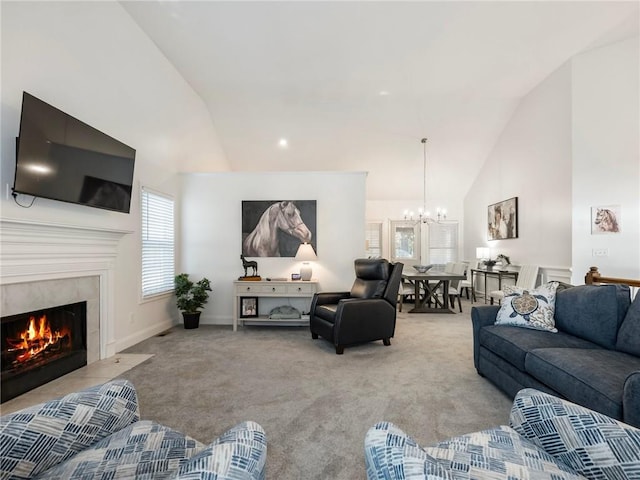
630 396
592 444
357 316
239 453
37 438
480 317
391 454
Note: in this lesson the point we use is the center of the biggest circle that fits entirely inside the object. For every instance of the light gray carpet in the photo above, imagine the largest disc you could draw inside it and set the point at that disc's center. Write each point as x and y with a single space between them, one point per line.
316 406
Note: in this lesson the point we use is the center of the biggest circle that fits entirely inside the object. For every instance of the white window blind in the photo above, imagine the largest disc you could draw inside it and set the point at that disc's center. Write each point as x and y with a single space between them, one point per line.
443 243
157 243
373 239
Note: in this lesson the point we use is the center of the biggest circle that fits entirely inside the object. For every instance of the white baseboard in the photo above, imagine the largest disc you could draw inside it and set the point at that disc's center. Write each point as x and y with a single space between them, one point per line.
138 337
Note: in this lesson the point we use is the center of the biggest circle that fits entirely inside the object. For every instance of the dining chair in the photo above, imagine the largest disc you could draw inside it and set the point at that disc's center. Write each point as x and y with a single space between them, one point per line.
467 284
454 285
527 278
407 289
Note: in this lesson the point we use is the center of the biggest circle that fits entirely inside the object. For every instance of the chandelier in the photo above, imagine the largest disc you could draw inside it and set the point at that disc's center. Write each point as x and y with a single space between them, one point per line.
424 215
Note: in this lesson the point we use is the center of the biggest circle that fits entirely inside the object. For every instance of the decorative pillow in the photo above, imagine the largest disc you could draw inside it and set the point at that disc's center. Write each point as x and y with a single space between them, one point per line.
529 308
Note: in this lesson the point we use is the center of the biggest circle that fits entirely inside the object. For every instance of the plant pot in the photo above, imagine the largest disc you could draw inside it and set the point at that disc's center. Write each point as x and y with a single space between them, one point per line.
191 320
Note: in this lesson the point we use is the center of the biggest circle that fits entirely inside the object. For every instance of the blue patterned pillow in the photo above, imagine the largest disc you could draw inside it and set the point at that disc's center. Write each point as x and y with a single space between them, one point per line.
529 308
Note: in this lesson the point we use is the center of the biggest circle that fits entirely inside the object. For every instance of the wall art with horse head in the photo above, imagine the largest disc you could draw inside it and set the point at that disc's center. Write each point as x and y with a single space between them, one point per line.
276 228
605 219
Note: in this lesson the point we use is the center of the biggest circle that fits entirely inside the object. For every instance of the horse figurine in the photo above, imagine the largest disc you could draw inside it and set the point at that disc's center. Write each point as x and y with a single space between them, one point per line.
606 221
263 240
249 263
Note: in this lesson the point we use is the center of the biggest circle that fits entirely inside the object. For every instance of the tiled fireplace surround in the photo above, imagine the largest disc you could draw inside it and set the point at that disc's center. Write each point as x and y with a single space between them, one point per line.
46 264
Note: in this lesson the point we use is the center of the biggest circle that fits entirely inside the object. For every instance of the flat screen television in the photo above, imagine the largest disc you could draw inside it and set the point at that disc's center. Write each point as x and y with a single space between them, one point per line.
61 158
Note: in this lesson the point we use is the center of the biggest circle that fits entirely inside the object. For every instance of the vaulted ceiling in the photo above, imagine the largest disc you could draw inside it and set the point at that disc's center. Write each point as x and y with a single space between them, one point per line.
356 85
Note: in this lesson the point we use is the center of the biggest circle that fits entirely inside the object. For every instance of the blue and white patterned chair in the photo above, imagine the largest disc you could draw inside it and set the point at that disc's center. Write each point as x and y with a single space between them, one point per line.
547 439
97 433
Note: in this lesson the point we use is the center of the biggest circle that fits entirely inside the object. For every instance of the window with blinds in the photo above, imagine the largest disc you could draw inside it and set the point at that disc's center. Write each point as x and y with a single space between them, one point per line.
443 243
157 243
373 240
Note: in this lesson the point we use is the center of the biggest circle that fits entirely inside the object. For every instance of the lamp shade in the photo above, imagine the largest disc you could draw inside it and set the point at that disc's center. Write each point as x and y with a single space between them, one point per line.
483 252
305 253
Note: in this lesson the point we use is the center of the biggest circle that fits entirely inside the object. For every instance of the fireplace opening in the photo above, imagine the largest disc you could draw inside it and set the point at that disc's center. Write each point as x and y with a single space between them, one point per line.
40 346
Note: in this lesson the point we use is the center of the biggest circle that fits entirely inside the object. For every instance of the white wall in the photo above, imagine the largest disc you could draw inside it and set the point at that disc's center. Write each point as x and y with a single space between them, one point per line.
211 238
92 61
532 161
572 143
606 157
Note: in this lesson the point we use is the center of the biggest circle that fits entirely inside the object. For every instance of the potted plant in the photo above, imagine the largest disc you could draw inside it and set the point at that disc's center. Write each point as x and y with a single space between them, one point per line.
190 297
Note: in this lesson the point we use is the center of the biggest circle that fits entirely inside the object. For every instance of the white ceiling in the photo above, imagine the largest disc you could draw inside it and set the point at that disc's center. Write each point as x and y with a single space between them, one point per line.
312 72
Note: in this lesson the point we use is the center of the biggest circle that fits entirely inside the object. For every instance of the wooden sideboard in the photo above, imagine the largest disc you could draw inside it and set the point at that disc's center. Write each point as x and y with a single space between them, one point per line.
298 294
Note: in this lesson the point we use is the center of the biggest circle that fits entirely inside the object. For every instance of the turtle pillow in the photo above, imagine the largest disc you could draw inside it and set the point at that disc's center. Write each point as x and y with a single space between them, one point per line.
529 308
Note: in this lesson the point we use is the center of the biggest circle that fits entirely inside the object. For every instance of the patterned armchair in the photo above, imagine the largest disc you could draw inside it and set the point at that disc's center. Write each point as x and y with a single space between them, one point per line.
97 433
547 439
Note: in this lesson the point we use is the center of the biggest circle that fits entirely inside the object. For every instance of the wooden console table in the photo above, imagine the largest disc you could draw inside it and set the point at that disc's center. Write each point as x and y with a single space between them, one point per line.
496 273
284 289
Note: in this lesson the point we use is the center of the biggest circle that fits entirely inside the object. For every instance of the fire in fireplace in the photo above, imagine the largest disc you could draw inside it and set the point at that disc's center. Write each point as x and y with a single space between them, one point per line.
40 346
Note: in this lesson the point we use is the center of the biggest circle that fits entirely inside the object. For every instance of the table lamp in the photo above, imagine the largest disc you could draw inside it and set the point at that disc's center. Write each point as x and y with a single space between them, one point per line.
305 254
483 253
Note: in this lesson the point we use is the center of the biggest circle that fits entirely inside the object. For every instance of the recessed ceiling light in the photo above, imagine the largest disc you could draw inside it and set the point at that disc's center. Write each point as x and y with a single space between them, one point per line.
283 143
44 169
383 93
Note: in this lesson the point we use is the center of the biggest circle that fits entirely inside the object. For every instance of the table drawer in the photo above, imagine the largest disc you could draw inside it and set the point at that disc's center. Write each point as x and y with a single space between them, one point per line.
301 289
248 288
273 289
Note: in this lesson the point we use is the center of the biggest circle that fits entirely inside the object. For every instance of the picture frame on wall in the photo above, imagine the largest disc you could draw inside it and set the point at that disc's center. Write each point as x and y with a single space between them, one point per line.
605 219
276 228
248 307
502 220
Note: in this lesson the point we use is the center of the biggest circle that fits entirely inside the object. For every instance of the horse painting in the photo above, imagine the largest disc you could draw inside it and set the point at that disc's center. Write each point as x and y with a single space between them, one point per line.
282 216
605 221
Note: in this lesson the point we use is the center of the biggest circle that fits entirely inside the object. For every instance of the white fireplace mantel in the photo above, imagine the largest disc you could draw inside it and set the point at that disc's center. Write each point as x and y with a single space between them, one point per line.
33 251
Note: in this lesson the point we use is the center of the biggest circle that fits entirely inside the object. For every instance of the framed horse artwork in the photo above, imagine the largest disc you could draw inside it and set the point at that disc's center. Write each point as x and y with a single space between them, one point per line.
605 219
276 228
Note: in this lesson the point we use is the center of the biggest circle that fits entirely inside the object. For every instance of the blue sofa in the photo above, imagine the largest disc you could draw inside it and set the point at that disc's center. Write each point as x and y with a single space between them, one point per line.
97 433
547 439
593 359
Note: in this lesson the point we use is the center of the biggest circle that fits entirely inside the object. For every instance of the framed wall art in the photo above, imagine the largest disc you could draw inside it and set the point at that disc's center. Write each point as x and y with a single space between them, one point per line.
502 220
276 228
605 219
248 307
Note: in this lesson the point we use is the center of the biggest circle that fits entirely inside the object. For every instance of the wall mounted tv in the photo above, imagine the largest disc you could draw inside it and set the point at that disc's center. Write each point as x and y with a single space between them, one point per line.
61 158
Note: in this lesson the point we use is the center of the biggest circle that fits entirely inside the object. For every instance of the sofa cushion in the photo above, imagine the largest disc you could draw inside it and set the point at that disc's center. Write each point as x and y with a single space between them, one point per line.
529 308
590 443
592 312
513 343
498 453
593 378
629 334
143 450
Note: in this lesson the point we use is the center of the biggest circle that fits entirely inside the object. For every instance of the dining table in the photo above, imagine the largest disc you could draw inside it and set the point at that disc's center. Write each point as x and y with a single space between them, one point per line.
431 288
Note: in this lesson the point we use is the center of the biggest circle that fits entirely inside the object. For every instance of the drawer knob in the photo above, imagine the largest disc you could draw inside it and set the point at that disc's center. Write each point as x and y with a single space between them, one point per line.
248 289
273 289
299 289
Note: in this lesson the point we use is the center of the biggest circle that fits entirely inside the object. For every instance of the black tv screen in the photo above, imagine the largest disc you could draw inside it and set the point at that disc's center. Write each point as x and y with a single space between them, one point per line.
61 158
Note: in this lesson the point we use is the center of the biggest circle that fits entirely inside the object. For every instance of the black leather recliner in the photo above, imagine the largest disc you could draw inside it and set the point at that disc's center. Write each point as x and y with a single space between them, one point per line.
366 313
